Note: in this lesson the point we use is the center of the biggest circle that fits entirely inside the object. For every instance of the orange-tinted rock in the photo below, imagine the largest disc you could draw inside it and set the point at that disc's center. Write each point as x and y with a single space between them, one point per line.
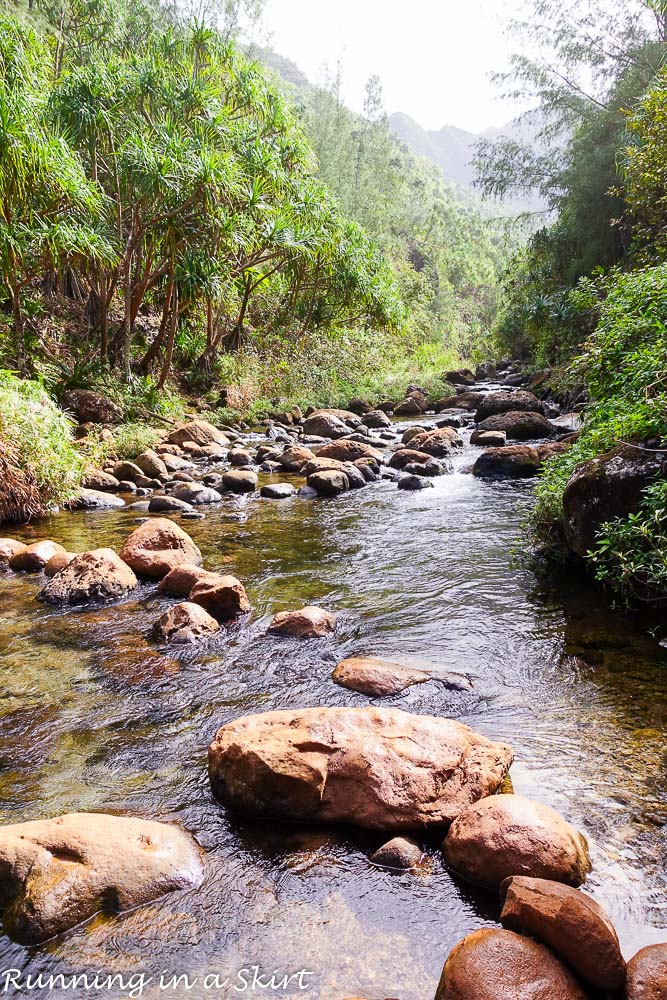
507 835
179 581
439 443
348 451
199 432
376 677
399 853
499 965
224 597
91 577
308 623
378 768
34 557
647 974
58 562
10 547
186 623
157 546
569 922
294 459
408 456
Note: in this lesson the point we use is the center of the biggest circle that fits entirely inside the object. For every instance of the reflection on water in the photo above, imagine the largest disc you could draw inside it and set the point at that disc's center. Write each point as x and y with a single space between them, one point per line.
95 717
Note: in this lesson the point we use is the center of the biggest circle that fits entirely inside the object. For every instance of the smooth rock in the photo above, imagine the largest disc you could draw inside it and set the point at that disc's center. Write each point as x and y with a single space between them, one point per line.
330 483
439 443
277 491
185 623
90 578
198 431
240 481
180 580
413 483
489 439
96 479
518 425
94 500
294 459
376 677
151 464
9 547
376 419
400 853
408 456
33 558
127 470
513 462
175 463
163 504
58 562
307 623
157 546
224 597
325 425
196 493
493 403
463 401
349 451
647 974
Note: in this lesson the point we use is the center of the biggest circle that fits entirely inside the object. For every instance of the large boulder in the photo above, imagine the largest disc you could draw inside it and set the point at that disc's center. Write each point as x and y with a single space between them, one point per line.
94 500
569 922
489 439
325 425
329 483
165 505
647 974
605 488
493 403
185 623
410 407
157 546
224 597
509 835
195 493
461 401
376 420
493 964
92 407
180 580
486 371
518 425
240 481
307 623
90 578
97 479
461 376
349 451
198 431
294 459
376 677
378 768
408 456
517 461
175 463
439 443
32 558
56 873
151 464
127 472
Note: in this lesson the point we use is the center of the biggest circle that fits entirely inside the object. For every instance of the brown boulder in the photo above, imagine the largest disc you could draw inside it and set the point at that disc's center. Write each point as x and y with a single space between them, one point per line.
181 579
329 483
378 768
294 459
10 547
493 403
461 376
199 432
518 425
127 472
408 456
326 425
438 443
308 623
348 451
157 546
495 964
410 407
34 557
376 677
489 439
400 853
509 835
569 922
96 479
58 562
151 464
91 577
92 407
461 401
224 597
56 873
517 461
185 623
240 481
647 974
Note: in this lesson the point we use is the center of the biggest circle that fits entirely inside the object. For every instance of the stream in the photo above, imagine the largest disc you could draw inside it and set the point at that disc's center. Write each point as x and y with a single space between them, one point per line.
94 716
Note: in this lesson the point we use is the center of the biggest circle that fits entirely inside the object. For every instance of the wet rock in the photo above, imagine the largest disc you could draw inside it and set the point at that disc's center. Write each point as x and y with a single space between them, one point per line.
400 853
164 504
492 964
569 922
647 974
269 453
355 477
151 464
349 451
294 459
58 562
510 835
180 580
240 481
240 458
454 420
378 768
376 420
489 439
57 873
492 404
90 578
322 465
103 482
307 623
175 463
125 486
518 425
325 425
307 493
411 433
9 547
376 677
514 462
408 456
196 493
605 488
33 558
198 431
92 407
367 470
329 484
185 623
414 483
94 500
439 443
224 597
157 546
277 491
463 401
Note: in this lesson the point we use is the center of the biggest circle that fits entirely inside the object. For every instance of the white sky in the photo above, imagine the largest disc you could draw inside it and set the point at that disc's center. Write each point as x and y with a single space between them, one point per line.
434 57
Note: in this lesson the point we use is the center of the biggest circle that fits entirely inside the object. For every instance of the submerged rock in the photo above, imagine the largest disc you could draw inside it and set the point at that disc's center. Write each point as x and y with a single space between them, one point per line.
376 677
186 623
509 835
56 873
307 623
373 767
157 546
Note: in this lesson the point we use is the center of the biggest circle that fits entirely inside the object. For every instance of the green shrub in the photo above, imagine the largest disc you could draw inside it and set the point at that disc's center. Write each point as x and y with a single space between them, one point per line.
123 442
39 465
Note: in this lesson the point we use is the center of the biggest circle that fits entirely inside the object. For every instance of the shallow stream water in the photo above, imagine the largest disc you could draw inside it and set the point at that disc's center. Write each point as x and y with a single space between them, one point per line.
95 717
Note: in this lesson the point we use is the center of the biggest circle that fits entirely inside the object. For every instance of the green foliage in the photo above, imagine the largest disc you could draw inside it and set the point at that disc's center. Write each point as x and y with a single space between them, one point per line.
645 170
39 465
123 442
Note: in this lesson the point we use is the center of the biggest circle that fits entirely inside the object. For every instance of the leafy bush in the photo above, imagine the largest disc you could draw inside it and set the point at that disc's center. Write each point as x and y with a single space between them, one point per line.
39 465
124 442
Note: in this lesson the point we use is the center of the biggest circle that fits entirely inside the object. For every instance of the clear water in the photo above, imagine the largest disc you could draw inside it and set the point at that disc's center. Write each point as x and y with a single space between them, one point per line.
94 716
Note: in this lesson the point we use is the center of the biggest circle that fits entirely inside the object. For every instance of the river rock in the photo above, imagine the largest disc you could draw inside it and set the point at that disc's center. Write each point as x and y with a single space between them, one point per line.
492 964
439 443
94 500
461 401
408 456
59 872
355 478
412 483
330 483
605 488
151 464
157 546
493 403
58 562
268 453
399 853
647 974
103 482
349 451
325 425
294 459
196 493
360 407
376 677
185 623
412 432
127 470
378 768
409 407
277 491
509 835
9 547
348 418
199 432
376 420
569 922
180 580
92 407
164 504
90 578
513 462
489 439
175 463
461 376
224 597
307 623
33 558
322 465
240 481
486 372
518 425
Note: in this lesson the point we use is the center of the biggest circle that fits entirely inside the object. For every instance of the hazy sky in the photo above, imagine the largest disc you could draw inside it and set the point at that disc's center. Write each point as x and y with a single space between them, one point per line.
433 56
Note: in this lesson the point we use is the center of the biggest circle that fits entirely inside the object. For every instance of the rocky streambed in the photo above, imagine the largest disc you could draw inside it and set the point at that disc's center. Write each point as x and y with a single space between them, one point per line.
112 695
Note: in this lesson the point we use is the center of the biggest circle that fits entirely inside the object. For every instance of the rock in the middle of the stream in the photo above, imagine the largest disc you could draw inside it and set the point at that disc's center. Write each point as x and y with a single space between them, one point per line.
379 768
